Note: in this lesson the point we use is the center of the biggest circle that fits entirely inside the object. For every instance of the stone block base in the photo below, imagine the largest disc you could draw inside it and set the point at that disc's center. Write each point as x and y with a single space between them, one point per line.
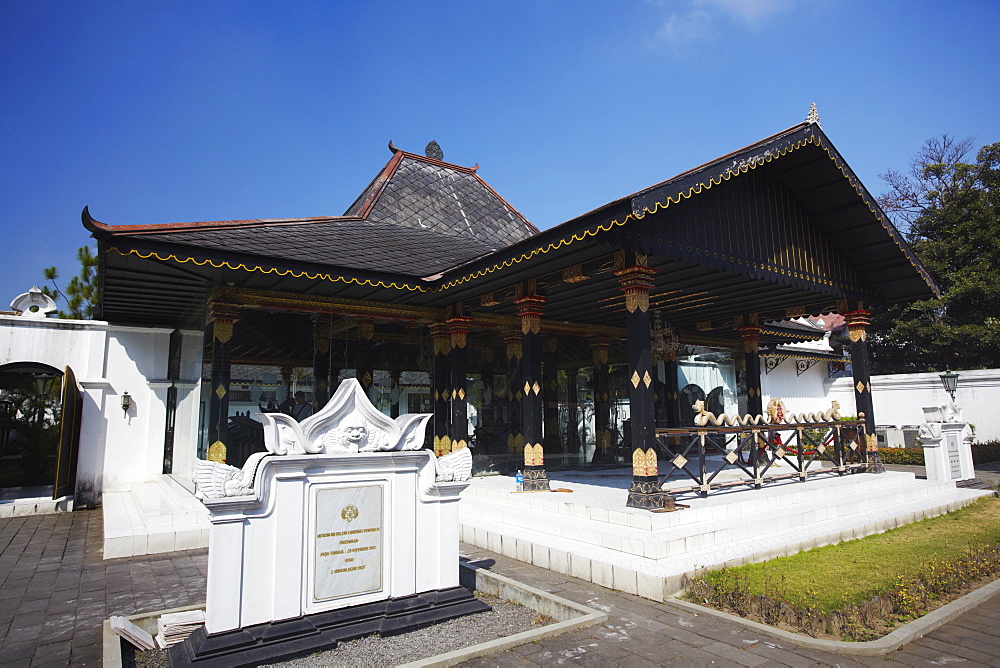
291 638
535 479
645 493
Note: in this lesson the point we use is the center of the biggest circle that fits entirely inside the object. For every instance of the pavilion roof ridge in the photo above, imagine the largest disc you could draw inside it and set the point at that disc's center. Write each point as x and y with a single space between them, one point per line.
99 228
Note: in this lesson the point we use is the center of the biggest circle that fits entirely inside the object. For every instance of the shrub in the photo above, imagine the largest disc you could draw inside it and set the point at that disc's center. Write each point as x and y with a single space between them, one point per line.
909 598
986 452
911 456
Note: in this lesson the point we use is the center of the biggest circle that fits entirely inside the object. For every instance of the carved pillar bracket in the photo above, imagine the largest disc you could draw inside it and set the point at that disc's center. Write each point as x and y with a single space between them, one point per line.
222 319
636 283
439 388
530 309
751 349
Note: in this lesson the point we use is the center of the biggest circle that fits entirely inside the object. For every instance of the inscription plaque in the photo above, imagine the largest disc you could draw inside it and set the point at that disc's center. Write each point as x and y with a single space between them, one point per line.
348 541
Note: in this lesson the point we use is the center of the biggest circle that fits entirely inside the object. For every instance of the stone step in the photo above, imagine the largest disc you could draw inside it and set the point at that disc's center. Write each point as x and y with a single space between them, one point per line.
152 518
634 531
656 562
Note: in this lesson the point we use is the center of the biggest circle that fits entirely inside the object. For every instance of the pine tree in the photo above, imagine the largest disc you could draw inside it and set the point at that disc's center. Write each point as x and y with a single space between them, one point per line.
952 209
80 296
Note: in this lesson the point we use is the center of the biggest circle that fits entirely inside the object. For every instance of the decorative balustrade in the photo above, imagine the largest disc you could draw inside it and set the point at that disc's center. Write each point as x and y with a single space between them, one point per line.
753 445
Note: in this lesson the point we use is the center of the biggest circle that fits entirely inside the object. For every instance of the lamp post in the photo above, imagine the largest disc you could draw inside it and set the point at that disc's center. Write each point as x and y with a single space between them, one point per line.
949 379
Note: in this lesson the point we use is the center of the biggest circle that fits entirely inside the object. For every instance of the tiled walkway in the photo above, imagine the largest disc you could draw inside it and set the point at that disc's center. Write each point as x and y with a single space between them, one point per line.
640 632
55 592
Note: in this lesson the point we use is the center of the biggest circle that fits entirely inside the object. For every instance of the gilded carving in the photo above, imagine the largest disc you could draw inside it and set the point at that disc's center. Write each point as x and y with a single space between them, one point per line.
574 274
530 310
488 300
366 329
217 452
533 455
644 463
220 391
222 329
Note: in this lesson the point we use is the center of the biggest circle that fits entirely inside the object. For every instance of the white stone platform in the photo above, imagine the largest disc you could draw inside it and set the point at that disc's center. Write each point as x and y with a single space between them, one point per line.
22 501
153 517
590 534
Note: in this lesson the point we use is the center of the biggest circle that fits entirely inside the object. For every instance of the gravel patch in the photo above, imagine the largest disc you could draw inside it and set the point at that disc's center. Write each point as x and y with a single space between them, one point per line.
505 619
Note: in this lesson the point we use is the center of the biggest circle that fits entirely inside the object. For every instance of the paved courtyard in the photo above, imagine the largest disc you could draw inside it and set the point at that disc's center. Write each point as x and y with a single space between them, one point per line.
56 591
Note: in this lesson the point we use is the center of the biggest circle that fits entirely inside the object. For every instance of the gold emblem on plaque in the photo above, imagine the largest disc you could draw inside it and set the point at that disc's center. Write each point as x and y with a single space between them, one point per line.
349 513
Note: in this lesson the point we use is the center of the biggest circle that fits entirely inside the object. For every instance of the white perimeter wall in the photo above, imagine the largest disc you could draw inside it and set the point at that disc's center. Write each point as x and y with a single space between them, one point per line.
899 398
116 449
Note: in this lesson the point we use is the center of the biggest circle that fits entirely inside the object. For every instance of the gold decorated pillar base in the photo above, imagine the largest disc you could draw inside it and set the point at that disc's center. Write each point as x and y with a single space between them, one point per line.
535 479
645 492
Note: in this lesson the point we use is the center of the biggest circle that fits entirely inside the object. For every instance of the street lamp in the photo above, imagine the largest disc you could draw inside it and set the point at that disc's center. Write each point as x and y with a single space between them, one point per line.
950 381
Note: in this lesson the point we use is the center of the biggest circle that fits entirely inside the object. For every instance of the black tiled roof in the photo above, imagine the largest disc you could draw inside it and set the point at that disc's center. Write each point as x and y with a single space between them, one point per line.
352 243
418 218
431 196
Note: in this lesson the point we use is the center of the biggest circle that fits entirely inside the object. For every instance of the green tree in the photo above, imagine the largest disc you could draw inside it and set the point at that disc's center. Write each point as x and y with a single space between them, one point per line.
952 215
80 295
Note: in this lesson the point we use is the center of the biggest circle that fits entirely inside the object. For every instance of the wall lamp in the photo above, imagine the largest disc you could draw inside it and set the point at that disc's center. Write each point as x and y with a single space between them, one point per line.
949 379
126 402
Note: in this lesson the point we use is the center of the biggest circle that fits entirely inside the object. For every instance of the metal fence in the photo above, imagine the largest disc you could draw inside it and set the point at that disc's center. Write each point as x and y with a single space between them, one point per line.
703 453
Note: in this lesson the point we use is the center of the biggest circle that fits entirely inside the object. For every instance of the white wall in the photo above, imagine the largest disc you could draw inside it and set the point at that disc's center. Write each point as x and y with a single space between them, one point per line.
802 394
116 449
899 398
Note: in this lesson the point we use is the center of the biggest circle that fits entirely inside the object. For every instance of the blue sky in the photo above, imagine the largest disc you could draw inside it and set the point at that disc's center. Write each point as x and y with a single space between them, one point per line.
154 112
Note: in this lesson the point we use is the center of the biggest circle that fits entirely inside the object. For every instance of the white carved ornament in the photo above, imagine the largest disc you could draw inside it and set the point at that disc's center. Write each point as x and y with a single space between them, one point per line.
348 424
34 303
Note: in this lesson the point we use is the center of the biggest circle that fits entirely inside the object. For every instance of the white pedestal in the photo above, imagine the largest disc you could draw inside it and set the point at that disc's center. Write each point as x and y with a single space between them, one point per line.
947 455
327 531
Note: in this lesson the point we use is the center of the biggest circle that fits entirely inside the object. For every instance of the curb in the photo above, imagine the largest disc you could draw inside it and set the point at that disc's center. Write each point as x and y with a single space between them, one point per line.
568 616
895 640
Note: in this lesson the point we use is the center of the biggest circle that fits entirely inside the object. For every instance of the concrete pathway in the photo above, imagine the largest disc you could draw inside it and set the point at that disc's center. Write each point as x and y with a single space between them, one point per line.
640 632
56 589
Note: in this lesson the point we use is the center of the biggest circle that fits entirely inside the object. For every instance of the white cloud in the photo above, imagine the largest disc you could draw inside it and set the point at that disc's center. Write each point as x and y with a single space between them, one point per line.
692 20
751 12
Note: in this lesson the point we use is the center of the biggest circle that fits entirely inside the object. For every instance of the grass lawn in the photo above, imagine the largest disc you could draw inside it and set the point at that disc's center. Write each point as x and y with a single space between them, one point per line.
829 577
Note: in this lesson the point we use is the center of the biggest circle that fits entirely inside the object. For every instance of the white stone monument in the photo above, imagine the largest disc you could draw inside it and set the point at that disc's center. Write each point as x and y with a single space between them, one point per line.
342 529
947 442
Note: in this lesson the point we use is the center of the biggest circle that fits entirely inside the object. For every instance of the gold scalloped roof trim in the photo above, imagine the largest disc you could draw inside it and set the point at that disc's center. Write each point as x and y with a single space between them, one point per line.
274 270
696 189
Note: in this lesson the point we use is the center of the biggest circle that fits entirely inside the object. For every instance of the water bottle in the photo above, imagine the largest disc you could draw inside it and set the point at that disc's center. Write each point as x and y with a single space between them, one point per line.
519 478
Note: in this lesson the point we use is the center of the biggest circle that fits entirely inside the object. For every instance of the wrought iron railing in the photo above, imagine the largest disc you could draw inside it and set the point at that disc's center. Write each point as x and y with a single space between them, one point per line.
751 447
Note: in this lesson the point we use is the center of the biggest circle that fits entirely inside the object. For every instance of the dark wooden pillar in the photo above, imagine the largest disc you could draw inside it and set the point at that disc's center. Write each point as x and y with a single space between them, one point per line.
222 320
673 416
750 333
486 436
395 392
321 360
530 309
602 401
439 386
636 282
514 394
573 444
458 327
551 438
363 361
857 328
